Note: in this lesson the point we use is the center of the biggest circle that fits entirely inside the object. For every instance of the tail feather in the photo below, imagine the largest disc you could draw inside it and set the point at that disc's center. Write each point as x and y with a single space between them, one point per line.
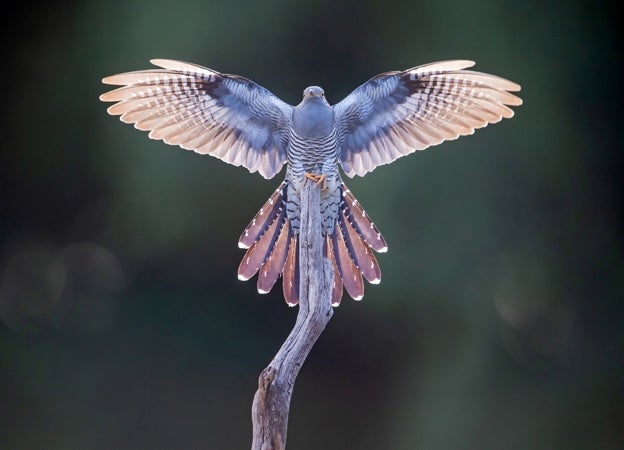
359 252
273 249
261 221
350 274
337 287
274 265
290 277
261 249
357 217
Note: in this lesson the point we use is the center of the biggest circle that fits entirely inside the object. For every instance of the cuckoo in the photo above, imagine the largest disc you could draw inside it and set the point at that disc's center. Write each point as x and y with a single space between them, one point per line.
238 121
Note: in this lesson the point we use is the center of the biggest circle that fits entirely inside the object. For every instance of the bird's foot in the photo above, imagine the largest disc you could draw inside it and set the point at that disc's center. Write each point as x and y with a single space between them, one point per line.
319 180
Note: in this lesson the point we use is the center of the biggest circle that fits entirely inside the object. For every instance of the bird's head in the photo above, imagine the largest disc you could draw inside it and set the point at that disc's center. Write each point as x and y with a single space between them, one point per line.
313 92
313 117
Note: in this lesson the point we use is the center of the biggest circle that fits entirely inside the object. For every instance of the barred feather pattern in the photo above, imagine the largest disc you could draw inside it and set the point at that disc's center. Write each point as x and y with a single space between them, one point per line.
315 156
397 113
225 116
272 248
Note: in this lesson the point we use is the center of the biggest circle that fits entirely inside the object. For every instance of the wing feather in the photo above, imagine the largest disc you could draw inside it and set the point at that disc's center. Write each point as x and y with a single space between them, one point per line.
397 113
196 108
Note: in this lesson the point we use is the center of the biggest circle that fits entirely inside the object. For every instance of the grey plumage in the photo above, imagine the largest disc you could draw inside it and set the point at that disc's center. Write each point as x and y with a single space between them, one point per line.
226 116
240 122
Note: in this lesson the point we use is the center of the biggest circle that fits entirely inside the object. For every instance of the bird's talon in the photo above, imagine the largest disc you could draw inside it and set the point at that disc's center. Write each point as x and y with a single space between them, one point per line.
319 180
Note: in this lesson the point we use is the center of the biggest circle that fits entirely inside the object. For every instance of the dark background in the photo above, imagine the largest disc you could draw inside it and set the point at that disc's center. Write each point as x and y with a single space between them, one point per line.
499 323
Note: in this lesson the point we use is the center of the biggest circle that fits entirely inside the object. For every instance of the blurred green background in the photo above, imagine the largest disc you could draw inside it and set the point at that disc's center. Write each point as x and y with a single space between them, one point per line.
499 323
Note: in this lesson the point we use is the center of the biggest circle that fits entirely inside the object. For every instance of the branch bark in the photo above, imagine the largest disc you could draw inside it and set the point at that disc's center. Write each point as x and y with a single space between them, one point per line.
271 403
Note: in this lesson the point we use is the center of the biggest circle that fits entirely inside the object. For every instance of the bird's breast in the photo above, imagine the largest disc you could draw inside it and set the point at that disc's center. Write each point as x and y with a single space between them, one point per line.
313 155
313 119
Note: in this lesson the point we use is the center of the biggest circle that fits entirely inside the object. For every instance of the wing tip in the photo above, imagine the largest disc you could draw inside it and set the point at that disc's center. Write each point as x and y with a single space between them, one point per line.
105 96
165 63
156 61
511 86
464 62
182 66
442 66
107 80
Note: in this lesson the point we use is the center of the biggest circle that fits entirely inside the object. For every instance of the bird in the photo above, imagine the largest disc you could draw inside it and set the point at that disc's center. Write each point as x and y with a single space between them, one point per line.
242 123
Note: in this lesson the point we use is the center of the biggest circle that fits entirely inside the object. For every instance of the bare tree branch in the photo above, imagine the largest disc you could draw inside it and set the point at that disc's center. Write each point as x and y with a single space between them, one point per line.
275 385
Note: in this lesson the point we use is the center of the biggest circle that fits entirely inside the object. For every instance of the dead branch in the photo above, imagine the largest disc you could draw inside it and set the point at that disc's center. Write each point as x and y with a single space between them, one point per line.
271 403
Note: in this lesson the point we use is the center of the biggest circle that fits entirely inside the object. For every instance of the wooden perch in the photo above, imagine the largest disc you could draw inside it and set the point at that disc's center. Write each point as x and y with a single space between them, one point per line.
272 400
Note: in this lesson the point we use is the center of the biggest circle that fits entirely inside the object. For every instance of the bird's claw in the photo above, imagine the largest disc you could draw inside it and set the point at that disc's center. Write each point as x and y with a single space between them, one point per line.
319 180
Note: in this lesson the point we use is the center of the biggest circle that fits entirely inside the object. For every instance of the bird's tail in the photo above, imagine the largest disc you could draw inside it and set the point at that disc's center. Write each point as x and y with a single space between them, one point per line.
273 249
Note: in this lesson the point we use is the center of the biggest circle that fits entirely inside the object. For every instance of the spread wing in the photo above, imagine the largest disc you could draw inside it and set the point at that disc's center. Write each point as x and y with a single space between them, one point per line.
226 116
396 113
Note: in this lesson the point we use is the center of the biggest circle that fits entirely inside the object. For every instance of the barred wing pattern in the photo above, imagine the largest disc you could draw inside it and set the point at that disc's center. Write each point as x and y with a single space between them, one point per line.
225 116
396 113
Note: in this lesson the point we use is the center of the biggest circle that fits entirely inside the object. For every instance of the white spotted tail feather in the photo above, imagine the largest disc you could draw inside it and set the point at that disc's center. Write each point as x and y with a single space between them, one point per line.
273 250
